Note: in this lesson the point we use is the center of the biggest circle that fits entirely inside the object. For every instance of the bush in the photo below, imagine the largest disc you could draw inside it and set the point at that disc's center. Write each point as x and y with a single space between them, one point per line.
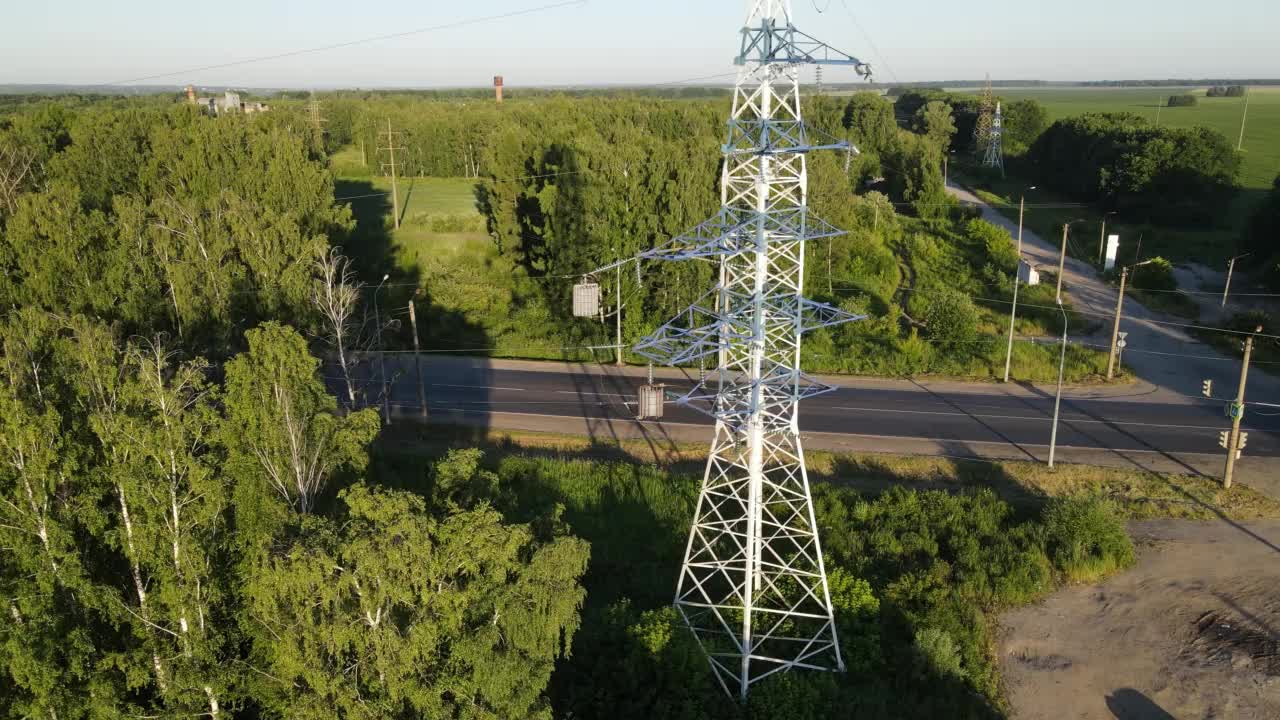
1182 100
936 655
1085 539
1157 275
951 318
1000 246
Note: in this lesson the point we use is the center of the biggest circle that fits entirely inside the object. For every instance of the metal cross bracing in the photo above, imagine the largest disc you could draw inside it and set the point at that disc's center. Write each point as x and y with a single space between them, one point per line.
995 145
753 587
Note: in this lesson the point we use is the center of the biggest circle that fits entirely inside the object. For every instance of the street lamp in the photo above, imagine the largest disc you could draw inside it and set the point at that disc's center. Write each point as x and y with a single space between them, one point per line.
382 355
1057 401
1102 239
1017 279
1231 267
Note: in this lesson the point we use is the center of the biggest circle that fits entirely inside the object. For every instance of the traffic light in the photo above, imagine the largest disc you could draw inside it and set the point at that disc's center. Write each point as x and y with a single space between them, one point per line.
1222 439
1208 388
1244 438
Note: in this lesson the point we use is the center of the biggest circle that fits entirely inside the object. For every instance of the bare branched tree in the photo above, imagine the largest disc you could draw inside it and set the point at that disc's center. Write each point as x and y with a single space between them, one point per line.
336 295
17 168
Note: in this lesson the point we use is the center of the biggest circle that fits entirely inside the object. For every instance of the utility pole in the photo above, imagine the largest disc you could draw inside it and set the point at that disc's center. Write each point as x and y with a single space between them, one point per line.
617 320
1017 280
1237 412
417 360
1057 400
1062 259
1115 329
1102 239
1243 118
1230 269
382 353
391 148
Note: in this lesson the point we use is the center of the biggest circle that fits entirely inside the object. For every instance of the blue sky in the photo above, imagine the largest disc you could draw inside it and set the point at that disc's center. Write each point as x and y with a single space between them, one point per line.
611 41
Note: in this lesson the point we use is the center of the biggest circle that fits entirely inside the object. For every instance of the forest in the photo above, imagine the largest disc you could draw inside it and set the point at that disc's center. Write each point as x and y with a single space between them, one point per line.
197 517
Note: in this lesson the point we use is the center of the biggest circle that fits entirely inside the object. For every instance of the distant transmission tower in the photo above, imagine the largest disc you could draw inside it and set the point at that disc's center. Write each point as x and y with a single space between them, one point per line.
817 73
986 111
995 143
314 114
753 587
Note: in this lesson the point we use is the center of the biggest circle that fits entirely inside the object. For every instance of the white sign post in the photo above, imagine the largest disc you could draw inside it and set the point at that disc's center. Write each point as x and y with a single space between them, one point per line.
1113 246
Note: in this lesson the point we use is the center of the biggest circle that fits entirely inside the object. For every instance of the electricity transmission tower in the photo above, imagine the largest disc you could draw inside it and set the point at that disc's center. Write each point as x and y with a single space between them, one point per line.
995 142
753 588
314 115
390 147
982 128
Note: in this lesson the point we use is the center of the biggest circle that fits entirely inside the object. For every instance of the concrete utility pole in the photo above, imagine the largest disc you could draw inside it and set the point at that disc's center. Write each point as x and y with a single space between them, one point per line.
1115 329
1017 280
417 360
382 353
617 320
1244 117
1057 400
1233 445
391 148
1102 239
1231 268
1062 259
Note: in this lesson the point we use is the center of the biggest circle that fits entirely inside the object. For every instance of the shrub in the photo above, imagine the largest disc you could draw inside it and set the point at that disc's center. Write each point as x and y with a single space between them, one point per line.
1085 540
936 654
1182 100
951 318
1000 247
1157 275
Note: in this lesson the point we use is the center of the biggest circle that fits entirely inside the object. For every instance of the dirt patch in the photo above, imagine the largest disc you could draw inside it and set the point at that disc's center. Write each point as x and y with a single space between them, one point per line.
1192 631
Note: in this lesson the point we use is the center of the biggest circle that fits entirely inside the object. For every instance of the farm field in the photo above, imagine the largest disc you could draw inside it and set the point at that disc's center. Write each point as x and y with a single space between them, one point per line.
1262 131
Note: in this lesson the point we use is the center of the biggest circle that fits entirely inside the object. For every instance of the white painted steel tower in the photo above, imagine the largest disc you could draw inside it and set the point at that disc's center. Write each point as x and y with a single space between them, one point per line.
753 587
995 143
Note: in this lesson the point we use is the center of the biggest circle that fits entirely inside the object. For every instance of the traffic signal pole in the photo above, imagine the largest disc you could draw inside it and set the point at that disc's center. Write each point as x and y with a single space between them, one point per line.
1237 413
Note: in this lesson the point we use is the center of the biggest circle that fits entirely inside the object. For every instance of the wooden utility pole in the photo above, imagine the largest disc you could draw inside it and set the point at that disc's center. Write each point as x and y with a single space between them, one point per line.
390 147
1115 329
417 361
1237 412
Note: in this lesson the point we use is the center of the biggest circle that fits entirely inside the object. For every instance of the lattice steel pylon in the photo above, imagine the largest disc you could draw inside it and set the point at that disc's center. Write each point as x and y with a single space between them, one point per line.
995 143
753 587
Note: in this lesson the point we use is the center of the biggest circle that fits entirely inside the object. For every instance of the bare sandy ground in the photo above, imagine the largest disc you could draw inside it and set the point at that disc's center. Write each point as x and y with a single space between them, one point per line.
1191 632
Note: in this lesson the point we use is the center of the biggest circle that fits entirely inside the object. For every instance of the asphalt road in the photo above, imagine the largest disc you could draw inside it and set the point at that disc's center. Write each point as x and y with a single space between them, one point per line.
1018 416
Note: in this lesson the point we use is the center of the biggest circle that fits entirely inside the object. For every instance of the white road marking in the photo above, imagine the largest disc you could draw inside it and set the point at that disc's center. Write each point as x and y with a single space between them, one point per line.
478 387
1027 417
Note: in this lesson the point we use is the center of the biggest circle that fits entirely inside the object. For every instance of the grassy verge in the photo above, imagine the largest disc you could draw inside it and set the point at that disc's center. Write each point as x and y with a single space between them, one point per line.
1136 494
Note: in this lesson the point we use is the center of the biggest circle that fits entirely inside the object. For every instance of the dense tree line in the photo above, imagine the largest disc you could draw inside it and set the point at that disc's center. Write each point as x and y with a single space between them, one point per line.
1024 120
1262 235
1169 175
1184 100
1226 91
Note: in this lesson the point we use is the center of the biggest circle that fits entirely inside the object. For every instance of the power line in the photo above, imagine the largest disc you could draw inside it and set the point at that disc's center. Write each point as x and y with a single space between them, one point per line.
866 36
350 43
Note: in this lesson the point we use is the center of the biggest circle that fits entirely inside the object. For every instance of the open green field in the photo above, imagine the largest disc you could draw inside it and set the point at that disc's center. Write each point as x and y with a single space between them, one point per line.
1262 129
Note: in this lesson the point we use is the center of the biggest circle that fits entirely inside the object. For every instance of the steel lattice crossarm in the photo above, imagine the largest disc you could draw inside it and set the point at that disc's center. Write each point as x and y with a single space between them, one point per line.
733 232
774 41
778 135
